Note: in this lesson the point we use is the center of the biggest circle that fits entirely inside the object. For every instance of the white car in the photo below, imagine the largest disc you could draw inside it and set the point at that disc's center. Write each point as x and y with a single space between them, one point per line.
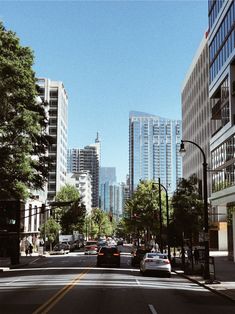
155 262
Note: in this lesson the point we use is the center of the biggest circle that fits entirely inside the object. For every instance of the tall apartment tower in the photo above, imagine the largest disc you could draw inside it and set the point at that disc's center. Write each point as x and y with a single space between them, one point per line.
87 159
154 145
54 93
197 125
221 43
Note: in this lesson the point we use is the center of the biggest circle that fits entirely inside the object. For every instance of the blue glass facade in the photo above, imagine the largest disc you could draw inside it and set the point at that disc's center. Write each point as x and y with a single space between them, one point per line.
223 41
154 150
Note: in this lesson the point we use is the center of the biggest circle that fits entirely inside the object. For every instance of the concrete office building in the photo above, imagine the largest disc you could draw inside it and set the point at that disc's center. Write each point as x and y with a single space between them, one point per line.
197 126
154 144
221 43
54 93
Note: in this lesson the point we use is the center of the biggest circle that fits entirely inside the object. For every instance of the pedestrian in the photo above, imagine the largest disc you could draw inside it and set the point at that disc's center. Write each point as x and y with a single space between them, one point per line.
30 249
26 250
196 255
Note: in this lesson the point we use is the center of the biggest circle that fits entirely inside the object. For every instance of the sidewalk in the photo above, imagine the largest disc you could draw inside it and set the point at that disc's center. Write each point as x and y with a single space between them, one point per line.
224 274
5 262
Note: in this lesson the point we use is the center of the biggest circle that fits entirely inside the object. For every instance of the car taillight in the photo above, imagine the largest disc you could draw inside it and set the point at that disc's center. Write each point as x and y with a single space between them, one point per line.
148 260
166 261
116 254
100 253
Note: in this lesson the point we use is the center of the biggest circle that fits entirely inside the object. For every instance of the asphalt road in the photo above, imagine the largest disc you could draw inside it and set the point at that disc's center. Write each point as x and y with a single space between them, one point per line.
73 284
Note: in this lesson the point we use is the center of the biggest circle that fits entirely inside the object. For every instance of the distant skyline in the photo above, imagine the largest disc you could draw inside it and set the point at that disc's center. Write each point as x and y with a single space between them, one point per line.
113 57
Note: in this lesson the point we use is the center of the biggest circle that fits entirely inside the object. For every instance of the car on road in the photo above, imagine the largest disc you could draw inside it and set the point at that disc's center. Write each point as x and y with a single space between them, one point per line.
108 255
60 248
76 245
91 247
155 262
137 256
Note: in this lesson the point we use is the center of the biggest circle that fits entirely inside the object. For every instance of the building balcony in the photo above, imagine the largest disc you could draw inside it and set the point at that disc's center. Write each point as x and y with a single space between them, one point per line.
216 111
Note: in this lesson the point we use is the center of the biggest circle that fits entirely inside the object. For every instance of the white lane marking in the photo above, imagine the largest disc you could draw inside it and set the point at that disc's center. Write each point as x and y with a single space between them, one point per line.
137 281
34 260
8 283
152 309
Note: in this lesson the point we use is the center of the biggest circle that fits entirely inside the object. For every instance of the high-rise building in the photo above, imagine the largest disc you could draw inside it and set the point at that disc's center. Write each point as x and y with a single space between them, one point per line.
197 125
154 144
107 174
87 159
111 199
54 93
221 43
82 181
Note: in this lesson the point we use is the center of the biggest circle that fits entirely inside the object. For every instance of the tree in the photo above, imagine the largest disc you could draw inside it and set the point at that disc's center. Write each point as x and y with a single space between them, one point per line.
98 224
188 210
50 230
23 137
71 217
142 210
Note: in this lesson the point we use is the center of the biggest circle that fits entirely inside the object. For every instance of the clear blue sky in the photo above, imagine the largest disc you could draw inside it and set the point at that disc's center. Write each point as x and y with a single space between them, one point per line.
113 57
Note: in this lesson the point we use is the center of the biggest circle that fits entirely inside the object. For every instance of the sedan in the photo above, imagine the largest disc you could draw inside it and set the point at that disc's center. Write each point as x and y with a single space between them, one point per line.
91 247
108 255
155 262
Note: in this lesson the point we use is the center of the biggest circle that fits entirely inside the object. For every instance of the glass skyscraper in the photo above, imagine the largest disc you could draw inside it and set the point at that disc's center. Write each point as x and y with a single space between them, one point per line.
154 144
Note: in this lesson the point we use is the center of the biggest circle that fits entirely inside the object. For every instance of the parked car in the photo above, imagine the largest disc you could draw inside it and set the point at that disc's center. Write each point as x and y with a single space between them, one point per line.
76 245
137 256
108 255
60 248
155 262
91 247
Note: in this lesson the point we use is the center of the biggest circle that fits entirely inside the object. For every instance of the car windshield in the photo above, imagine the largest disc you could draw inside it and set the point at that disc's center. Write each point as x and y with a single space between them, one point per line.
156 255
91 243
109 250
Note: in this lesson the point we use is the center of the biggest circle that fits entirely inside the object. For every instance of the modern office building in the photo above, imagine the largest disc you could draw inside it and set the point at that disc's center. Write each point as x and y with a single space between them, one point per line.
87 159
111 199
154 144
54 93
221 43
198 127
107 174
196 115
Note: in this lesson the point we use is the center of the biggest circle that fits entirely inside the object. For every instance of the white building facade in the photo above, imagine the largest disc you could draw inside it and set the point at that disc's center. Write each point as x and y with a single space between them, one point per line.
82 181
55 94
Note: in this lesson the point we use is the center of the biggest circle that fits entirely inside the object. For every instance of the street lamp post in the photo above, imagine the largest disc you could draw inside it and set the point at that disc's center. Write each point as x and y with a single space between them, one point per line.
160 213
167 218
205 210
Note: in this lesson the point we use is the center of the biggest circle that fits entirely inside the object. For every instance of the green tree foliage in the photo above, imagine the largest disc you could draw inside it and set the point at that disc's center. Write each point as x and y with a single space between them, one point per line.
23 138
99 224
142 210
71 218
188 208
50 230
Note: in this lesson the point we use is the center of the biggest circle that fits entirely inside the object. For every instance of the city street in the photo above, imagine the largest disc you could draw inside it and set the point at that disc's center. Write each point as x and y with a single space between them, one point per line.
72 283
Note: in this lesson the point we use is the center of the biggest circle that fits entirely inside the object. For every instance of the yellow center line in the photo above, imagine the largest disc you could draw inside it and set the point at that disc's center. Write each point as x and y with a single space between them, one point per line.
47 306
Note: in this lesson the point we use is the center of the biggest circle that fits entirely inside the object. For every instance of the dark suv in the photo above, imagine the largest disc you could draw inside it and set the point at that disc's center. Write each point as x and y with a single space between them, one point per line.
137 256
108 255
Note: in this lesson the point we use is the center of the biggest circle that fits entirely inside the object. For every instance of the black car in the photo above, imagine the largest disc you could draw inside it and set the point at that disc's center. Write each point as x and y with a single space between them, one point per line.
137 256
108 255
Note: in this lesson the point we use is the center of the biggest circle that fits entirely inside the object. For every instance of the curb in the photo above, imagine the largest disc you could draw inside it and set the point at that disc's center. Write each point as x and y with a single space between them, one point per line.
207 287
7 268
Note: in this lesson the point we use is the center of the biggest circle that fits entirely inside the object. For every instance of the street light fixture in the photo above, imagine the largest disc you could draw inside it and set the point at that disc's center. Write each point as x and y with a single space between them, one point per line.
205 210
